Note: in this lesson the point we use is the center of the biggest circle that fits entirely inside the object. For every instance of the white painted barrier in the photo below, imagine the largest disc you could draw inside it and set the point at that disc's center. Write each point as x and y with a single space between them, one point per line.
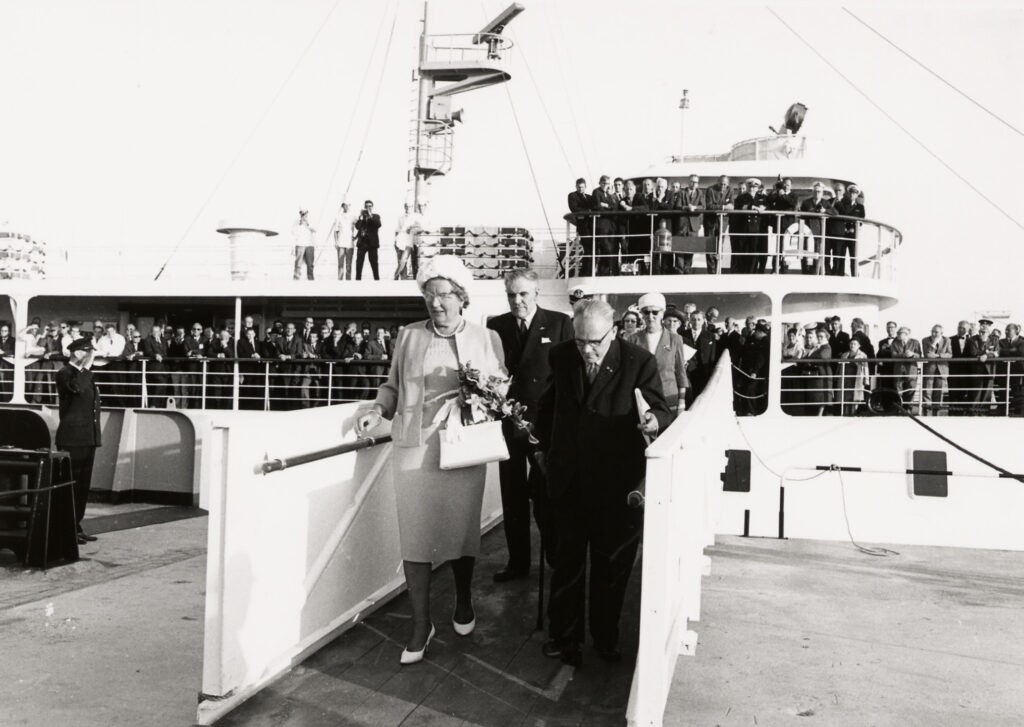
684 468
294 557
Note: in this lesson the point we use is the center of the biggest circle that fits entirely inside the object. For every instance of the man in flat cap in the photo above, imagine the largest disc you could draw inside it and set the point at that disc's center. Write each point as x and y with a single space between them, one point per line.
78 432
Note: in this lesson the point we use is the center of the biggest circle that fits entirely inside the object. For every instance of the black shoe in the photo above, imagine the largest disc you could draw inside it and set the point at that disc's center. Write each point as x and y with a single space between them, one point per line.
568 652
510 574
81 540
85 537
611 654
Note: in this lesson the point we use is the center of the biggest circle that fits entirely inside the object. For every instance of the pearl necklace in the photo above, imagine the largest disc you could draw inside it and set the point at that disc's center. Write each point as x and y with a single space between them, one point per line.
457 330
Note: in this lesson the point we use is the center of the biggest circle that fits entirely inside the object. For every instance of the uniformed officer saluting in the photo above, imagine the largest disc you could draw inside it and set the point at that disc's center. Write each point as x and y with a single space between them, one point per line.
79 429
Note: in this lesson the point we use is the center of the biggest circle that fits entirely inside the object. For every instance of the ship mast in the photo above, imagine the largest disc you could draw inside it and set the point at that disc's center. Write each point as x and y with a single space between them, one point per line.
451 64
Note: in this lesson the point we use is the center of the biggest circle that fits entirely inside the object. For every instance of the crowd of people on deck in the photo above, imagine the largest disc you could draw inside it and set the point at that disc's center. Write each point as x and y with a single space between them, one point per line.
291 365
357 235
977 371
307 364
618 240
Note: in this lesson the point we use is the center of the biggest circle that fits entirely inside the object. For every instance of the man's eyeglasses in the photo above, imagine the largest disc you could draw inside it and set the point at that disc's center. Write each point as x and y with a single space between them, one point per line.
651 312
582 343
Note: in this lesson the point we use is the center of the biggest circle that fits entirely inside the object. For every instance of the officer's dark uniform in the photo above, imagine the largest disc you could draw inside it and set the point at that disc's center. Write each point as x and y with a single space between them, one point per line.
79 429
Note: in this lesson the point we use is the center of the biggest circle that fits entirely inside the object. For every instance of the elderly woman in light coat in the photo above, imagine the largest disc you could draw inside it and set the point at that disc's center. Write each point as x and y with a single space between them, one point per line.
667 348
438 511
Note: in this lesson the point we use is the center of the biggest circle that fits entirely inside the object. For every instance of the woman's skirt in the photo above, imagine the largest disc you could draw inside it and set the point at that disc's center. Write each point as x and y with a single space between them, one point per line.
438 510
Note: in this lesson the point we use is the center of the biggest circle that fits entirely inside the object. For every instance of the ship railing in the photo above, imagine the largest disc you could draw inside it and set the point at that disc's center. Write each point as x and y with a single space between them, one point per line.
266 384
458 48
730 241
682 494
925 386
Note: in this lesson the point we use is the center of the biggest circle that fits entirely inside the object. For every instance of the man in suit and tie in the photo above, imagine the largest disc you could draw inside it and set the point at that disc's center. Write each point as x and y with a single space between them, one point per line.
290 351
959 383
154 348
607 243
581 204
637 226
691 200
905 347
592 449
702 364
717 197
938 351
527 333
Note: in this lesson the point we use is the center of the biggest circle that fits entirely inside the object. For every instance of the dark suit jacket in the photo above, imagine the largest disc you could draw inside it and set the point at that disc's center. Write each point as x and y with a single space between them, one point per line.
375 351
840 343
716 198
195 347
689 224
848 208
812 205
527 362
79 404
151 347
291 348
748 223
702 363
605 225
593 438
367 227
246 349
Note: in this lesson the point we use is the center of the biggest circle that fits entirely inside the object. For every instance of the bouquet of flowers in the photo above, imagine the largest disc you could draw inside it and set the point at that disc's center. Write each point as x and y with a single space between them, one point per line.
485 398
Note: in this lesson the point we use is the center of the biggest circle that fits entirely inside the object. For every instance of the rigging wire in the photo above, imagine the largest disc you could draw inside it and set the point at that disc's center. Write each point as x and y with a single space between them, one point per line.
249 138
561 74
898 125
529 162
547 113
373 104
369 124
351 122
974 101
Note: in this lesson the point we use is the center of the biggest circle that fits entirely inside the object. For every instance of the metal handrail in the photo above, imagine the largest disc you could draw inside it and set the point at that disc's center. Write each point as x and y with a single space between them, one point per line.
282 463
677 212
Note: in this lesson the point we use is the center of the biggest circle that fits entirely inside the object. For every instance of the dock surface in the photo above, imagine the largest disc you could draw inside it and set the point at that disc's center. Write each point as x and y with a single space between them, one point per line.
792 633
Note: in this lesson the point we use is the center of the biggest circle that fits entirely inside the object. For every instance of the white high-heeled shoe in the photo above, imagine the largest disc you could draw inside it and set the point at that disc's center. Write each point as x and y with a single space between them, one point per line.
464 629
414 657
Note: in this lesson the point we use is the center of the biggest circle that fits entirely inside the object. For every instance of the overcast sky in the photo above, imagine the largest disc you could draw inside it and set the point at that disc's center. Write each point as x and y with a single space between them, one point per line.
144 124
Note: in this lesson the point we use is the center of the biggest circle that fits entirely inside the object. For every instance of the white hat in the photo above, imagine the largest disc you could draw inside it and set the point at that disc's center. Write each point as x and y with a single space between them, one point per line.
651 300
449 267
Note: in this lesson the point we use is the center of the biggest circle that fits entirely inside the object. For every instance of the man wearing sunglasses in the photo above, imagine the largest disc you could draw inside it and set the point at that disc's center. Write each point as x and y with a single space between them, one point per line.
592 448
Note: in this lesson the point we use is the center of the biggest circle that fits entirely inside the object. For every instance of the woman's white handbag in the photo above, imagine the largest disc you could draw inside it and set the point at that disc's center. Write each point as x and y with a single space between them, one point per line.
467 446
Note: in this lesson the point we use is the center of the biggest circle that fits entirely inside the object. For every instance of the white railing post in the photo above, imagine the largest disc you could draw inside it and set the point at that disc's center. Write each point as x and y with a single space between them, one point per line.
145 386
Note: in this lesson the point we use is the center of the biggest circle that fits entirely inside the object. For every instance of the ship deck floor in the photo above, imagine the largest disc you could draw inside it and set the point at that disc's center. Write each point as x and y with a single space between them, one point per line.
793 632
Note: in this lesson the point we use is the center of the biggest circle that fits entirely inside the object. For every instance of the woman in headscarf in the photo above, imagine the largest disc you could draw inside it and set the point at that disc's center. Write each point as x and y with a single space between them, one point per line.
667 348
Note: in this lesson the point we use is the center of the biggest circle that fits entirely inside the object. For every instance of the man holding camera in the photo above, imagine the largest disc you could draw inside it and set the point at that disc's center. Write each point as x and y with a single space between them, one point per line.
368 241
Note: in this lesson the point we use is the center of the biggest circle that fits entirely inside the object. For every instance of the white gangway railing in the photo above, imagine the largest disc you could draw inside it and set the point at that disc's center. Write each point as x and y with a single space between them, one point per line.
683 491
298 556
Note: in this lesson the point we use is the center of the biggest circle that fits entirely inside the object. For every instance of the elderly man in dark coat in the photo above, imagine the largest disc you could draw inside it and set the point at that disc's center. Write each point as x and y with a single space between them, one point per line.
592 447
